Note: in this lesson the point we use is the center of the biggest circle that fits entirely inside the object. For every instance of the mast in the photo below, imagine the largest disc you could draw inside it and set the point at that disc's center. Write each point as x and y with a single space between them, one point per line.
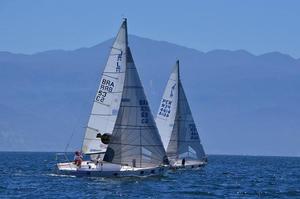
178 108
126 31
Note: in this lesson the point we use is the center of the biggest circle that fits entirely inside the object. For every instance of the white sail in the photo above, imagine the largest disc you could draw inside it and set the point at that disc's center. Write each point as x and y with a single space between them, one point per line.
176 124
135 140
108 97
167 110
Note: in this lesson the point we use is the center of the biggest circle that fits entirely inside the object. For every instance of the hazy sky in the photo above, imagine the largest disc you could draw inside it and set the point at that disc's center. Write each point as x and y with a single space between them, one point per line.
258 26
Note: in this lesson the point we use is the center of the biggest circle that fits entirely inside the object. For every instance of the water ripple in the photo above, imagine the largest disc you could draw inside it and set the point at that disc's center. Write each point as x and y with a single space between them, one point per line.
31 175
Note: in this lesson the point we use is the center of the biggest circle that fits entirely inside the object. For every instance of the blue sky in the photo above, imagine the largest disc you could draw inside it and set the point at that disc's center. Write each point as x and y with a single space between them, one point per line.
258 26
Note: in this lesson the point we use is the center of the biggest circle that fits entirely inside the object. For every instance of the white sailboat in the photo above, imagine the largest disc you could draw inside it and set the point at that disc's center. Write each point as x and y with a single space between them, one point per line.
121 128
177 127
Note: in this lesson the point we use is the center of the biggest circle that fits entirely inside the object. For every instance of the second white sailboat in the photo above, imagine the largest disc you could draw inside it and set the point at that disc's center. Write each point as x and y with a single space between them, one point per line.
177 127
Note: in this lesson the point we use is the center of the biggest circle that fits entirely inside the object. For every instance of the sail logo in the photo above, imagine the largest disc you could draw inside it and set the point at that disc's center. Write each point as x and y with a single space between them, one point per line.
172 90
165 108
105 87
119 59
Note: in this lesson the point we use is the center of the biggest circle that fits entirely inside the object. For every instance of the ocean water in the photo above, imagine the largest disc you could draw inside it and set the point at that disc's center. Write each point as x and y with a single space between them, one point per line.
32 175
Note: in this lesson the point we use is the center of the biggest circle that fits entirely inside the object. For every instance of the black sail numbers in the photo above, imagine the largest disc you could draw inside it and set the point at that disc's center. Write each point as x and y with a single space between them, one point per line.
106 86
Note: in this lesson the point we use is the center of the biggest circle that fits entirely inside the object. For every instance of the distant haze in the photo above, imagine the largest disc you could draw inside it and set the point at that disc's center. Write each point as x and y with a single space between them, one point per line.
242 103
256 25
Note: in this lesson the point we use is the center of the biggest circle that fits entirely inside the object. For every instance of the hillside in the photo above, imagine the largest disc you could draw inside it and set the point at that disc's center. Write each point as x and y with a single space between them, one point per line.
242 103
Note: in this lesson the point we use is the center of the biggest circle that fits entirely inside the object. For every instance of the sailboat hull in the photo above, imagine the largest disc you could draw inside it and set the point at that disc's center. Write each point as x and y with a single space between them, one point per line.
188 165
105 169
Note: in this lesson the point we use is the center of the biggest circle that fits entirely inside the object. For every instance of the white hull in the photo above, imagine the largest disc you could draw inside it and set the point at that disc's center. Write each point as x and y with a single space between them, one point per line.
106 169
188 165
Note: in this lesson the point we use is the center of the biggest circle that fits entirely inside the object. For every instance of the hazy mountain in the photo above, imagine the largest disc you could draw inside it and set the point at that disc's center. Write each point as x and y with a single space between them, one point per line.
242 103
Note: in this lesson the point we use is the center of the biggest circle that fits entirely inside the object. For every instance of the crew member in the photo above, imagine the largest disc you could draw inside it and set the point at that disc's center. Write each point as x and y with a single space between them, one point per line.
183 162
78 158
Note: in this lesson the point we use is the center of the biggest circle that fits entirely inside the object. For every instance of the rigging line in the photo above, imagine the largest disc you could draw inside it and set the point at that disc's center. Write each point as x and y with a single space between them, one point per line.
72 134
73 130
91 95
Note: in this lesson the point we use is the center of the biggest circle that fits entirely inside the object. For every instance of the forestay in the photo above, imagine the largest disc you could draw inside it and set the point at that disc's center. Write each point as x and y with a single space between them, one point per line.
135 139
176 124
108 97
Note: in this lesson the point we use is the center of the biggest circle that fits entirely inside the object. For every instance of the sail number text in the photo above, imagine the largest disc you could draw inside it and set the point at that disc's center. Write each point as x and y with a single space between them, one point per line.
194 133
165 108
106 86
144 111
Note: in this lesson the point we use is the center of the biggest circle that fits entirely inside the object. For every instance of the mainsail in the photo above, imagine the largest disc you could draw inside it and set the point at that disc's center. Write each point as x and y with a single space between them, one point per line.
176 124
108 97
135 139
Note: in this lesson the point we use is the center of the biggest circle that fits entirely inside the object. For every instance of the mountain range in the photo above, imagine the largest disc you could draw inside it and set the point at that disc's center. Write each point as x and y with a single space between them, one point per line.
242 103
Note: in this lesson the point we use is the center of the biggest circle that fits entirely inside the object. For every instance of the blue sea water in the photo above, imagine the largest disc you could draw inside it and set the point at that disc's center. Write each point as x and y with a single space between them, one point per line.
32 175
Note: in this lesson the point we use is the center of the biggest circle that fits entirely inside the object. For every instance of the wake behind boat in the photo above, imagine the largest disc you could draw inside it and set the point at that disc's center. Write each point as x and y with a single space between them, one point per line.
177 127
121 137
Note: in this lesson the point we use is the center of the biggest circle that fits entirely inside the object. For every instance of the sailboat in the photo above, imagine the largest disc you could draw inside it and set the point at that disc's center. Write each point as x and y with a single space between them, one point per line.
121 137
177 127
